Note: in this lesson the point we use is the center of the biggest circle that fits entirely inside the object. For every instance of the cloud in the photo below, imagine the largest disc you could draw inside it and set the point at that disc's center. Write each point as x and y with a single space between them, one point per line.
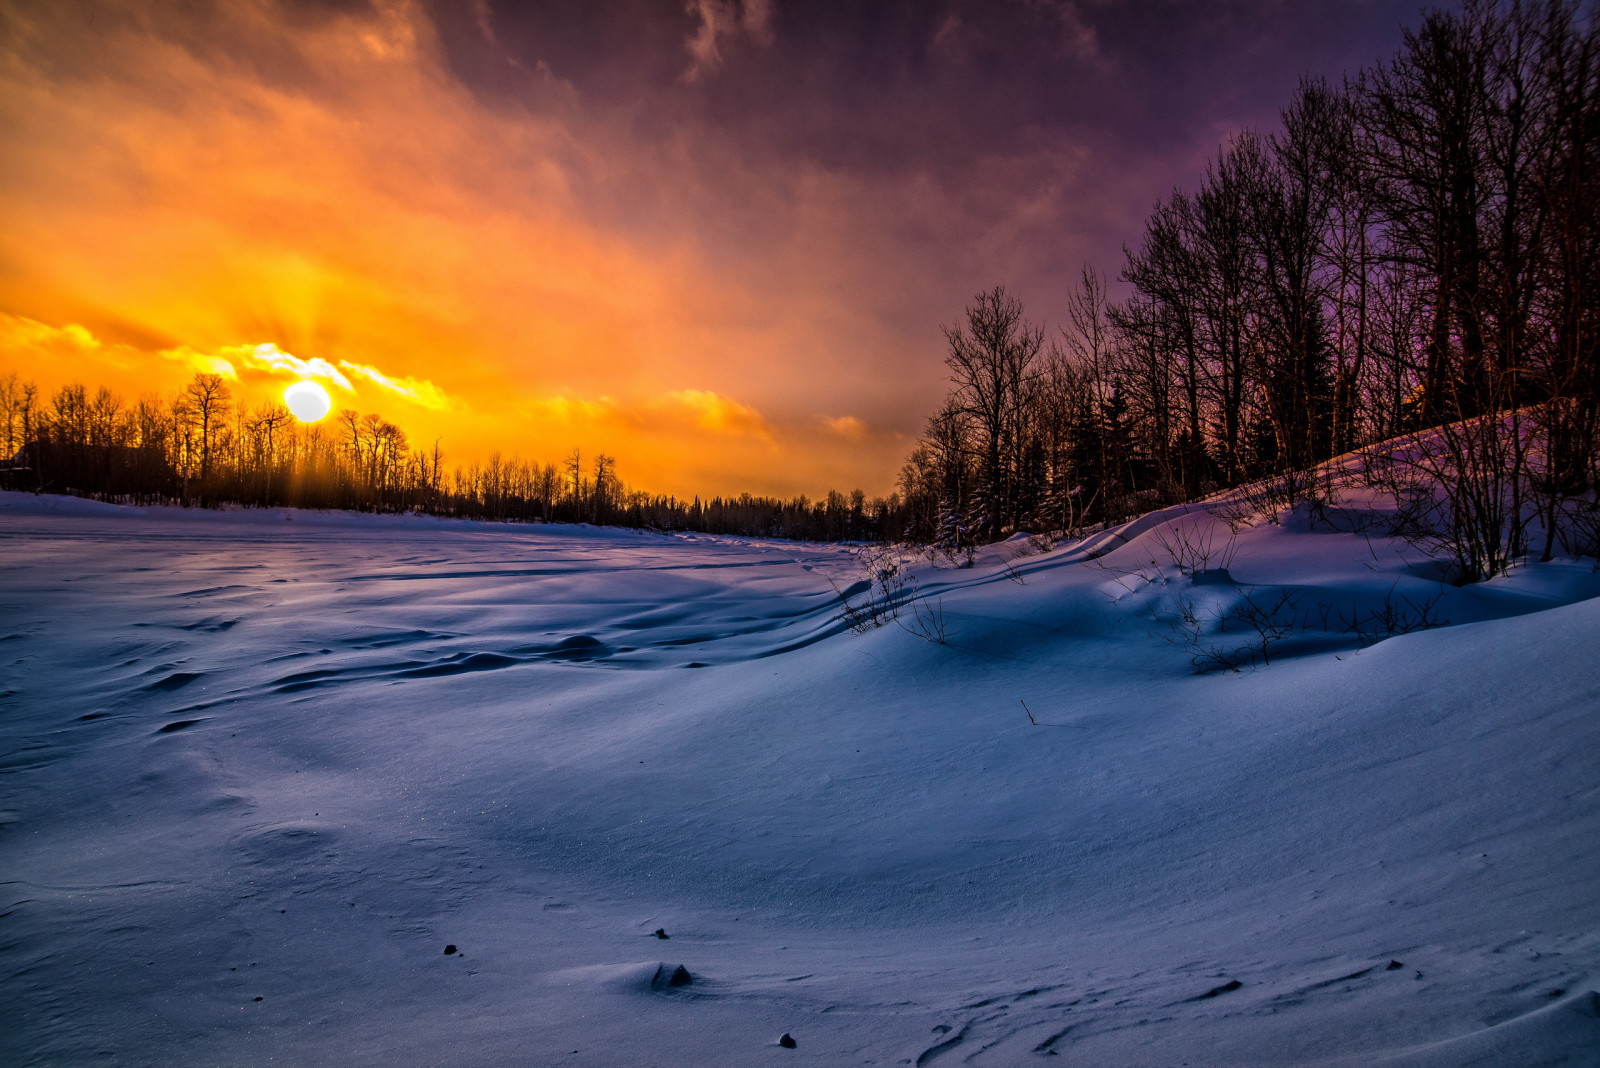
269 357
73 351
719 20
19 331
712 411
575 411
1078 36
202 362
25 341
846 426
265 358
416 390
673 412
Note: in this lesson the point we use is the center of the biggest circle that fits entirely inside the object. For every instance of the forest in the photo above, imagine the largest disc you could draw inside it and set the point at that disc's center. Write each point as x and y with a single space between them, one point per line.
1410 253
1415 251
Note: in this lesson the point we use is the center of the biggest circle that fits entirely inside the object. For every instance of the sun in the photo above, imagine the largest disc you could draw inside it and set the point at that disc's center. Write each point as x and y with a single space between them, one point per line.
308 401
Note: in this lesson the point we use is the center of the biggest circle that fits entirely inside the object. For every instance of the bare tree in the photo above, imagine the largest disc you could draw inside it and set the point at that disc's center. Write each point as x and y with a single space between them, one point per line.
204 404
993 361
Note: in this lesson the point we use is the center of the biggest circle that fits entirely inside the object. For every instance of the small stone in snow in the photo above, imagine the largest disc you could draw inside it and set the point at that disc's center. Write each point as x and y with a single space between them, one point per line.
449 950
661 932
680 977
787 1041
258 997
1394 966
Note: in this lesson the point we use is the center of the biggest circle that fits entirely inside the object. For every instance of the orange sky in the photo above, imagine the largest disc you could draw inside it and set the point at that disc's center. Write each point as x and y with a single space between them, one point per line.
714 238
170 209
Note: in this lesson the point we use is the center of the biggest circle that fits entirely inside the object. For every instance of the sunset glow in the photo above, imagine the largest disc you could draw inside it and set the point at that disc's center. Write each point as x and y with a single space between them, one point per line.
512 230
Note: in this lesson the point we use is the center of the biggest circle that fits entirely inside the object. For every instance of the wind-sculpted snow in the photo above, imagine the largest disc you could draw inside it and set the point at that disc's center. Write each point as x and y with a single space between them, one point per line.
317 788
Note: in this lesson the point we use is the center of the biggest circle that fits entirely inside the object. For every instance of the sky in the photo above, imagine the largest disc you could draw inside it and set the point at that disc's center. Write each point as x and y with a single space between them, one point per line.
716 239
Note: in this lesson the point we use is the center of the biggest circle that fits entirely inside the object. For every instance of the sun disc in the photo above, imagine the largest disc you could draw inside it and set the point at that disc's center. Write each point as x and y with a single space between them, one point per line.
308 401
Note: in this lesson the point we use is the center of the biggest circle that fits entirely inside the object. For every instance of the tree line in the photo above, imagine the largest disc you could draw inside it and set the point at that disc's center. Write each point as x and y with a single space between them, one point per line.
1409 249
201 446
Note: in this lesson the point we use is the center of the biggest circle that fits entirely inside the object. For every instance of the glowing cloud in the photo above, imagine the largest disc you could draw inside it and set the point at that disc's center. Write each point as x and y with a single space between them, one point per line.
570 411
28 345
18 332
846 426
269 357
418 391
702 410
721 415
227 360
73 352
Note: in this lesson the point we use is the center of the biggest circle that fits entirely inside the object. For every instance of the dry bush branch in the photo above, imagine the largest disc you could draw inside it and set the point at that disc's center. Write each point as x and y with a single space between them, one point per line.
927 621
1404 616
1193 549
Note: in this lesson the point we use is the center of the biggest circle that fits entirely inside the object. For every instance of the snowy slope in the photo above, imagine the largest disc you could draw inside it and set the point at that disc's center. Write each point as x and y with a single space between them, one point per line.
261 768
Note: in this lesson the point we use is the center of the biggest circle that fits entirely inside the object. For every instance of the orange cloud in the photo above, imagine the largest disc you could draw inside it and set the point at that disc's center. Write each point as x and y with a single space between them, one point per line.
202 362
698 411
268 357
73 353
20 332
62 352
846 426
711 411
416 390
575 411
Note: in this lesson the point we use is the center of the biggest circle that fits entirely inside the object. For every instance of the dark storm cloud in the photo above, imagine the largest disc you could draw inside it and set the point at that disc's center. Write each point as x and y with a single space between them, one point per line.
1138 94
935 82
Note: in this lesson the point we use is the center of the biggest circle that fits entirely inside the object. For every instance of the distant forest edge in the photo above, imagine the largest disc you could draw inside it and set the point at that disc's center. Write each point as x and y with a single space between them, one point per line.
201 448
1413 250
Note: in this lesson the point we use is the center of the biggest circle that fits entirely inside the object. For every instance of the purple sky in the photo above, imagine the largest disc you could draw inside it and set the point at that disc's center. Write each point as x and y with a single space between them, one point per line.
1054 122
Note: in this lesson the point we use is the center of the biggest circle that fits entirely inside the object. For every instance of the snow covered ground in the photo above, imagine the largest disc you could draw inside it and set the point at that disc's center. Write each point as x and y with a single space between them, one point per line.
261 770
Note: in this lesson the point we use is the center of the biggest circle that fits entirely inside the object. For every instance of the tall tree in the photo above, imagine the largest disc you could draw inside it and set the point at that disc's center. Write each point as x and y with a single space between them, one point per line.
993 360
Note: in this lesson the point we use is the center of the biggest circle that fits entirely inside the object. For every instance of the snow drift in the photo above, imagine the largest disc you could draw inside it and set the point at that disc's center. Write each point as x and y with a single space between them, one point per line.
261 769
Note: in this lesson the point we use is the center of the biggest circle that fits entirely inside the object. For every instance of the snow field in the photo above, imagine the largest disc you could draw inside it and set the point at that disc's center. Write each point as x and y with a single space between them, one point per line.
292 756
